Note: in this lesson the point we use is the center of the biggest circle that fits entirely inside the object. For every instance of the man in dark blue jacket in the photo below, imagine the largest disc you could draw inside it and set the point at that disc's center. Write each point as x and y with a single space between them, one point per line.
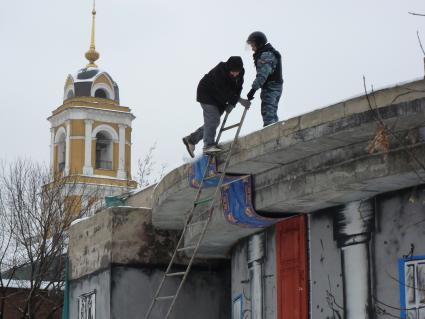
218 91
268 63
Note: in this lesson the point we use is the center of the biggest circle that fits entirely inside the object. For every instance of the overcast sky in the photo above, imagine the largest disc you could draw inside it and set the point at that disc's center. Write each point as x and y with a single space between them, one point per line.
158 50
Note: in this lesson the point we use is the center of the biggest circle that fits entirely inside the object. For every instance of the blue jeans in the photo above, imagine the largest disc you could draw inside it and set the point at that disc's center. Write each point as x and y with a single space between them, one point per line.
207 131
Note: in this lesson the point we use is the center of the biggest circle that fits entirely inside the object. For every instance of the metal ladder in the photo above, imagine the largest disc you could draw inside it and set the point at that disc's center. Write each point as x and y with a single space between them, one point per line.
190 221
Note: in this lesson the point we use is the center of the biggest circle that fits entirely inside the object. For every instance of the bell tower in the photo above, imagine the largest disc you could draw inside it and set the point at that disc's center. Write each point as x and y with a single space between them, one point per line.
91 131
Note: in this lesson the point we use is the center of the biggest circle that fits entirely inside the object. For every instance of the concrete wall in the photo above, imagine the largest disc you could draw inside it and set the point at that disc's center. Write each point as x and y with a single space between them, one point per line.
122 257
118 235
326 290
241 277
399 228
204 295
125 292
142 198
101 282
400 224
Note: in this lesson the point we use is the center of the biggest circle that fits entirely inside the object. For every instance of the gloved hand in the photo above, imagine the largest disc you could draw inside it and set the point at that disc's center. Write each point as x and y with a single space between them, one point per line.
229 108
250 94
244 102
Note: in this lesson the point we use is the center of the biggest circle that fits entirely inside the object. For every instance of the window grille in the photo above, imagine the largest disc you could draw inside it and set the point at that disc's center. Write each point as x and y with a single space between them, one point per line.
412 287
87 305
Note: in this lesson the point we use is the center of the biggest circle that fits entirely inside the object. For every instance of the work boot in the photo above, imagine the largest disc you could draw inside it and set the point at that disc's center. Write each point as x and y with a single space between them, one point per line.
189 146
213 149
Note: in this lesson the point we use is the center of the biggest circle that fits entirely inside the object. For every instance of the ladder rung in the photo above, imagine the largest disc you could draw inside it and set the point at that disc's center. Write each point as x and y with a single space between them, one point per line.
186 248
164 298
197 223
230 127
211 177
172 274
203 200
203 212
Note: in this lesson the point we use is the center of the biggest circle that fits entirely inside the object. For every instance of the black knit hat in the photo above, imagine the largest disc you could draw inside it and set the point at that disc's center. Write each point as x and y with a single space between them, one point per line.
234 63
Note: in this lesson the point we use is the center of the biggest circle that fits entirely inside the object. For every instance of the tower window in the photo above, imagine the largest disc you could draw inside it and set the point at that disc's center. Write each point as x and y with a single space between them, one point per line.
103 151
61 153
101 93
70 94
85 74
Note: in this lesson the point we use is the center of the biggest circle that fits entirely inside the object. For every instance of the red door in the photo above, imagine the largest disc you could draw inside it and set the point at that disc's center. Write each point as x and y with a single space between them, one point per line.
291 268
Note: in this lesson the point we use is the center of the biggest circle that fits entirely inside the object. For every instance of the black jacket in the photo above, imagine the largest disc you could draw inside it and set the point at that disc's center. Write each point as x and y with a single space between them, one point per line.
218 88
276 75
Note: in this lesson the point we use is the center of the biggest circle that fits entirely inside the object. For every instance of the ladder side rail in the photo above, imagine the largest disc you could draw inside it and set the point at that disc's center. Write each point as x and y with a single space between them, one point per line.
170 264
189 218
201 187
192 259
227 161
204 230
221 127
164 276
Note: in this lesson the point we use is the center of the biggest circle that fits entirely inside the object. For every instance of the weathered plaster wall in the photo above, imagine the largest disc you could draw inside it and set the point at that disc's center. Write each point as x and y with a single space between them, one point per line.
204 295
326 283
142 198
240 275
101 282
399 227
125 292
400 224
117 235
119 254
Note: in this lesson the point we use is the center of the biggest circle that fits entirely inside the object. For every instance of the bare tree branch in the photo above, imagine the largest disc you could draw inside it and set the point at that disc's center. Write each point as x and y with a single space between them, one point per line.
146 169
417 14
382 125
420 42
36 210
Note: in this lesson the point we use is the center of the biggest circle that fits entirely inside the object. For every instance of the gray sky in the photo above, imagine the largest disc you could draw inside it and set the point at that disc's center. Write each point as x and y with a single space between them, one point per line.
158 50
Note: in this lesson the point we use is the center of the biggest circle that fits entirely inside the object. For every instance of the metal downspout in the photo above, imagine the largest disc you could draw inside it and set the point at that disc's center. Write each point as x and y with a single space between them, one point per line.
256 252
65 308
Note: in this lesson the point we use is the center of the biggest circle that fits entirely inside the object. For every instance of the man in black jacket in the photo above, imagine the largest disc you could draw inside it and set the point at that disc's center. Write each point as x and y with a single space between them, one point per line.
218 91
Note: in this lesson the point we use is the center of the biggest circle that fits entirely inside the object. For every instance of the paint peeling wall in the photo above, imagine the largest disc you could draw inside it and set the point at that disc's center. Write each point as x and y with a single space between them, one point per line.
241 276
326 282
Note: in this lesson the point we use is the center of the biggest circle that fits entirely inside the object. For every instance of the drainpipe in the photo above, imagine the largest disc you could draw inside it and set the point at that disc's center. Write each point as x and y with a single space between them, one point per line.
256 252
65 307
353 225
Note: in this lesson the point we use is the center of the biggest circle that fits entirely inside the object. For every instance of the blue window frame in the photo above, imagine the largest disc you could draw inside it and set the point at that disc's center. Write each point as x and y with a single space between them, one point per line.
412 287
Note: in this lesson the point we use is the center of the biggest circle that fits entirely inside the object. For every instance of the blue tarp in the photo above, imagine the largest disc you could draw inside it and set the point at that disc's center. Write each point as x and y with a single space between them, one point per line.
197 170
238 209
236 194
